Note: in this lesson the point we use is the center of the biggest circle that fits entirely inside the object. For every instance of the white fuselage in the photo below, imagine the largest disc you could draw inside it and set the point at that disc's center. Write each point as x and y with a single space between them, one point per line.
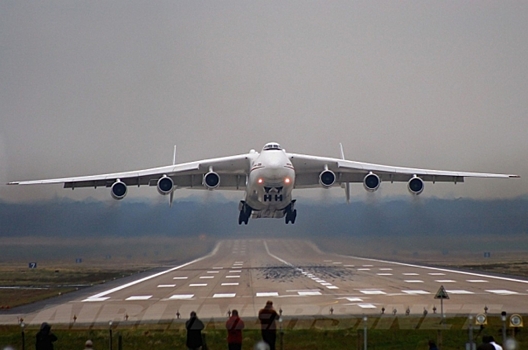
270 184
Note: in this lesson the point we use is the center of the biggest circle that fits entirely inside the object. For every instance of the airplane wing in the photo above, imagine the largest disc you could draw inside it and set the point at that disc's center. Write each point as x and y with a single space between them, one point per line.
308 170
232 172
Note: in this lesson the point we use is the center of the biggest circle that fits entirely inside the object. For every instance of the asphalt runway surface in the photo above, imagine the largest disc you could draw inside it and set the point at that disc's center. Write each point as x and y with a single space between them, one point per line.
295 275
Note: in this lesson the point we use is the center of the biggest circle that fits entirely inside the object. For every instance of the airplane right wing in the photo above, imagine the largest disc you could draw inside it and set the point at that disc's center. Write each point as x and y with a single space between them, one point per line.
313 171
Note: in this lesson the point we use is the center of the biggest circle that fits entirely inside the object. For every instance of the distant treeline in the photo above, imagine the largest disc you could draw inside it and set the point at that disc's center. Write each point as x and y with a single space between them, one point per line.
219 218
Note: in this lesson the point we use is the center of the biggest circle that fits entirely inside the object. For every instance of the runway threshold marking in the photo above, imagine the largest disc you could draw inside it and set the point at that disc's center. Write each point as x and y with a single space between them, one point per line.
99 296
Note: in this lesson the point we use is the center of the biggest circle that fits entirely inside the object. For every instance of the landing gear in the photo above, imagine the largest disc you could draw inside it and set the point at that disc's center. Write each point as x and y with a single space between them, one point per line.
290 216
291 213
245 213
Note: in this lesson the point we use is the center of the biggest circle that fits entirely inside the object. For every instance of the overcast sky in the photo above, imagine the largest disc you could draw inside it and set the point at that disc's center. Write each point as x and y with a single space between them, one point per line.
102 86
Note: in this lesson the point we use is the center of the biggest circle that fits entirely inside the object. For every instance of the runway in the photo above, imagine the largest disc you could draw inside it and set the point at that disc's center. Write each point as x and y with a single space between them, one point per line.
297 277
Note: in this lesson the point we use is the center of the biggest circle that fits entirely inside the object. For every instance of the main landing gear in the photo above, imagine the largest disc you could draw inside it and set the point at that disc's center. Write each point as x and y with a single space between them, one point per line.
291 213
245 213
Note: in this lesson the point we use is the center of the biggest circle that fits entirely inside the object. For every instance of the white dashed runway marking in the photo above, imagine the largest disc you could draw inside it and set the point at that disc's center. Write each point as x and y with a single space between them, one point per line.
206 277
166 285
413 281
501 292
373 292
224 295
230 284
233 276
445 281
458 291
267 294
198 285
180 278
181 296
139 297
477 281
95 299
415 292
308 293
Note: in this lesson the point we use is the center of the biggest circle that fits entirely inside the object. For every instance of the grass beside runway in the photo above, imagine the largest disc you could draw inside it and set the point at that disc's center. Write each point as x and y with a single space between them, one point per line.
383 333
67 264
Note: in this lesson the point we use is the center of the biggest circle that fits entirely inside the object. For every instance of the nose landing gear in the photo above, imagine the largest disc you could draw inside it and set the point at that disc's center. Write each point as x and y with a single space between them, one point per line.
291 213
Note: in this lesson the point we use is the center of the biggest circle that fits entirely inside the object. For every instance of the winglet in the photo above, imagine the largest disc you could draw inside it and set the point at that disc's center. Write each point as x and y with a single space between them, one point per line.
174 156
342 152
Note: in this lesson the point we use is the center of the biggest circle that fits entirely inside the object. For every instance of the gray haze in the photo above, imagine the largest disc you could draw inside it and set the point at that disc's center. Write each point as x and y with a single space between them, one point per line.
102 86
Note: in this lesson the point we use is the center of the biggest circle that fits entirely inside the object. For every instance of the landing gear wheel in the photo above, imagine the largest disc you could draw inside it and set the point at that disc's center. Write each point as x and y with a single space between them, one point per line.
290 216
243 216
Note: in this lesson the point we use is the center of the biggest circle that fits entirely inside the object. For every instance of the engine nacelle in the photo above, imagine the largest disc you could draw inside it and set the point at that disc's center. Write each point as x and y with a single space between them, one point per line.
118 190
371 182
415 185
327 178
211 180
165 185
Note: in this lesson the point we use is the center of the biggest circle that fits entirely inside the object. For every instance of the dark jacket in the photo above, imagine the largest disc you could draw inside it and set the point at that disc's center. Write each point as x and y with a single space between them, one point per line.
268 317
194 332
44 338
234 326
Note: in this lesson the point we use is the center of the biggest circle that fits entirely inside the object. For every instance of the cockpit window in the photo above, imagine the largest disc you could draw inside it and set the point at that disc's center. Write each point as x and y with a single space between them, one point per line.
272 146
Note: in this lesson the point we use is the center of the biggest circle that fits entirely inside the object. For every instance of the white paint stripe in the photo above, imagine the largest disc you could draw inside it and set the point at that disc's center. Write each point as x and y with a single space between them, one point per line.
139 297
384 274
445 281
413 292
364 269
224 295
235 271
91 299
180 278
267 294
234 276
332 287
501 292
304 294
230 284
458 291
410 274
213 271
436 274
413 281
439 269
373 292
181 296
354 299
206 277
198 285
477 281
215 250
166 285
366 306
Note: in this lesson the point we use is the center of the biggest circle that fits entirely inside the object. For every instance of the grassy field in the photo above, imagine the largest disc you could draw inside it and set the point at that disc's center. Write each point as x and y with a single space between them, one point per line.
299 334
65 265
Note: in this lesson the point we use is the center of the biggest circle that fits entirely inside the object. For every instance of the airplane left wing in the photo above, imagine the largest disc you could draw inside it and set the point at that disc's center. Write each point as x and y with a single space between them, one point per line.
230 174
310 170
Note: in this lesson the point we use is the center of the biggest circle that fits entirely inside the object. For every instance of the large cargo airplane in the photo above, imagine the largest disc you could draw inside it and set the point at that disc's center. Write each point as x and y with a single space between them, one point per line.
268 178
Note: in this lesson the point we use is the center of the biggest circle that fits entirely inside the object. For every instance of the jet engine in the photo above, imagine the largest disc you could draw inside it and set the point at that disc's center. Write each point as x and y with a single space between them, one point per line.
371 182
118 190
165 185
415 185
327 178
211 180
